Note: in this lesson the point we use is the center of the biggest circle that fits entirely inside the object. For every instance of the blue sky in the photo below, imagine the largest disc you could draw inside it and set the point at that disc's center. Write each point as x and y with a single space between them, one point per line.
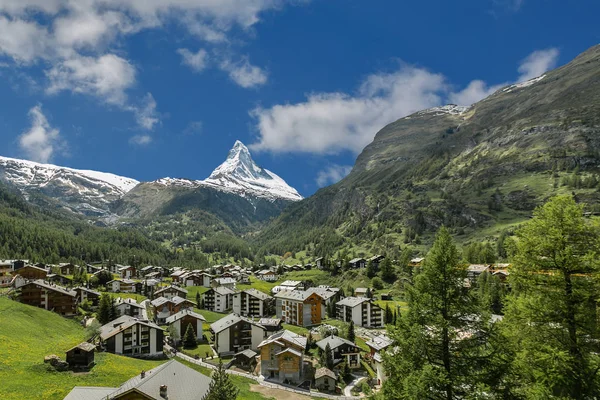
156 88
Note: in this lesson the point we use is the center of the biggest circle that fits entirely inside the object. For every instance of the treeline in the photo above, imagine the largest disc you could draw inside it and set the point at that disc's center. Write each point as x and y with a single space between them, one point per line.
547 345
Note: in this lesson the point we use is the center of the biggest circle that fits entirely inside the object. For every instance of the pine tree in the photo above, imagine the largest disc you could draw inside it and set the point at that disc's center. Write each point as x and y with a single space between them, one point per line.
104 306
198 299
189 339
370 270
434 357
309 343
351 334
221 387
389 316
387 271
551 315
328 357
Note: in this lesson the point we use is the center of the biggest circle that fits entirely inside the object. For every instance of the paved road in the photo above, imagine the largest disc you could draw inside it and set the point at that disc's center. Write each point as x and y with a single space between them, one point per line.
350 386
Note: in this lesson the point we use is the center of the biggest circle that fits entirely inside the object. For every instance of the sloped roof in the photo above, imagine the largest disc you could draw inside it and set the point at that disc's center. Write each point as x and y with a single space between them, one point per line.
121 323
231 320
183 313
351 301
257 293
285 336
55 288
183 383
321 372
379 342
290 350
85 346
224 281
171 287
269 321
355 260
247 353
324 293
290 283
298 295
90 393
222 290
334 342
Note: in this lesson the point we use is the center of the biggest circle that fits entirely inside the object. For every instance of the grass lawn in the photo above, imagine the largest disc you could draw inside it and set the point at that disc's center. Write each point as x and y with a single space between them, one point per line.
138 297
211 316
296 329
258 284
28 334
201 351
193 290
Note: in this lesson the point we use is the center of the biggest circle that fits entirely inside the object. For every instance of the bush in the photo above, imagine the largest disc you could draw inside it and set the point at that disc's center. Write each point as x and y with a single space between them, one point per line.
377 283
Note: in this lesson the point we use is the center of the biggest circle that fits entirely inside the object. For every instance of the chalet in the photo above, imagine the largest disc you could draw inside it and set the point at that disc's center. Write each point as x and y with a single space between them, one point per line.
502 275
198 279
133 337
325 380
59 279
291 285
65 268
272 325
130 307
361 292
229 283
328 294
245 359
474 270
376 260
299 307
127 272
282 357
148 269
171 380
377 345
361 310
5 274
91 269
164 307
171 291
150 282
50 297
218 299
267 275
90 295
176 276
123 286
253 303
182 319
319 262
32 273
243 278
216 270
358 263
341 350
234 333
81 356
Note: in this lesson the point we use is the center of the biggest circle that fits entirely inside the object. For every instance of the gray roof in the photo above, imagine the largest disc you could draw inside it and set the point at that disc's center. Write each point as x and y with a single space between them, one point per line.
121 323
321 372
334 342
285 335
324 293
222 290
477 267
351 301
183 383
84 289
257 293
298 295
85 346
230 320
269 321
183 313
56 288
224 281
355 260
379 342
290 283
90 393
248 353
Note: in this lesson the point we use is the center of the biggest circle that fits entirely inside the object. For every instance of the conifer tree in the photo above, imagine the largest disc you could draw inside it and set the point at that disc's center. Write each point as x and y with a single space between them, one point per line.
370 270
351 334
387 271
189 339
221 387
328 357
104 306
551 315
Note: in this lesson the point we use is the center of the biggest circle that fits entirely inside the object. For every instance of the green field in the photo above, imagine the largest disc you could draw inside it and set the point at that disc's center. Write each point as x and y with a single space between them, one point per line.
28 334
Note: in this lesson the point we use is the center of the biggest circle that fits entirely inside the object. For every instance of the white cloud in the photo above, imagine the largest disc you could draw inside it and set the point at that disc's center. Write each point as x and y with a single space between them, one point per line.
193 128
534 65
328 123
140 140
23 41
146 115
537 63
196 61
40 142
106 77
332 174
244 74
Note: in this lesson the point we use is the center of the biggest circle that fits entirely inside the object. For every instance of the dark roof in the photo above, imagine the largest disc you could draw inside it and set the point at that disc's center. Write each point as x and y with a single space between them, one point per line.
85 346
247 353
122 323
230 320
334 342
177 316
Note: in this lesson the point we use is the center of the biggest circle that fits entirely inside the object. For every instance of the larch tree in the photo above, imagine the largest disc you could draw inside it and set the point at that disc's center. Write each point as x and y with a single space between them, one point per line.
551 314
221 387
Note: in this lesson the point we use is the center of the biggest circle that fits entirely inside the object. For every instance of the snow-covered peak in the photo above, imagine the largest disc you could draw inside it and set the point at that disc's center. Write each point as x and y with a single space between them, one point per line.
239 174
522 85
33 171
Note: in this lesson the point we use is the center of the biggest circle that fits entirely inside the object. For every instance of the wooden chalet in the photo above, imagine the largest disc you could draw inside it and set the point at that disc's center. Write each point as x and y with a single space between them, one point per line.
48 296
81 356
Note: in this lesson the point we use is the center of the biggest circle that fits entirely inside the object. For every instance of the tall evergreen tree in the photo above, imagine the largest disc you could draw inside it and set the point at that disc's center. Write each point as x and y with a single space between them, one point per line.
351 333
221 387
387 270
551 316
328 357
370 270
436 357
189 339
104 306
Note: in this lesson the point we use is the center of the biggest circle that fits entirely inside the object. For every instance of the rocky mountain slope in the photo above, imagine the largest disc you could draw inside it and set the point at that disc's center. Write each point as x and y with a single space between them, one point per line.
479 170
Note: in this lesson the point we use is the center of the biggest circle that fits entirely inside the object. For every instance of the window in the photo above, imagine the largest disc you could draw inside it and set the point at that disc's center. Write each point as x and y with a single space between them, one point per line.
326 381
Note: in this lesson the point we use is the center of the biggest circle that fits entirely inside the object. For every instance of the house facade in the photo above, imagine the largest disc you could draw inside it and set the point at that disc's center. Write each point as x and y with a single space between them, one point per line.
341 350
31 272
299 307
218 299
49 297
361 310
182 319
253 303
132 337
234 333
282 357
170 292
163 308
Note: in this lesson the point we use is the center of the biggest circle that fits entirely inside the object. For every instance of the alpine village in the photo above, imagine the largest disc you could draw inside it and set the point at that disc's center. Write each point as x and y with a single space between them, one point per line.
458 258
